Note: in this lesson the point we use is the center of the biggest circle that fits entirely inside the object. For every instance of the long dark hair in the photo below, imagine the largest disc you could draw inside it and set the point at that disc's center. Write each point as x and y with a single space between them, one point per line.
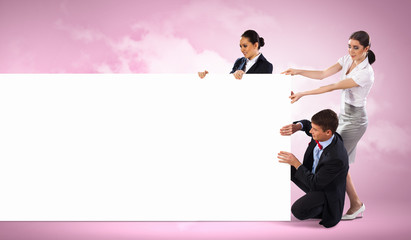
364 39
253 37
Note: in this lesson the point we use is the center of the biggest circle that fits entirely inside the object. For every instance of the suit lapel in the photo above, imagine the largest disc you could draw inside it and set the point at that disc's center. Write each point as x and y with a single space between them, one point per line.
252 68
308 156
242 64
260 58
325 152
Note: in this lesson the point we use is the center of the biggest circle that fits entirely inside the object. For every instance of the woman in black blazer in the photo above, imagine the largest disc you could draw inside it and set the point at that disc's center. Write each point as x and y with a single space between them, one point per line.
253 61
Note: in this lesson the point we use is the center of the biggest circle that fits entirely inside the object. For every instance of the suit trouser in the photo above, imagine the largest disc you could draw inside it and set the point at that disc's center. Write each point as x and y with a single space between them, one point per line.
310 205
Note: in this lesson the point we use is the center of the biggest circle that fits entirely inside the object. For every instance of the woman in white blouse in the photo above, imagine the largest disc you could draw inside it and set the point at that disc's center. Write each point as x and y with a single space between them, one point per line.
356 81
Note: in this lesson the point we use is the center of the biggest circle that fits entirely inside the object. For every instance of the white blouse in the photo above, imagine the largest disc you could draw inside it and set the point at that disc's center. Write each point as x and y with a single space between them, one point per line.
250 63
363 75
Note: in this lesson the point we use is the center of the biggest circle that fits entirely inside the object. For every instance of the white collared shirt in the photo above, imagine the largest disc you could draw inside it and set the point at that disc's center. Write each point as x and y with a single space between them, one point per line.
363 75
251 62
317 152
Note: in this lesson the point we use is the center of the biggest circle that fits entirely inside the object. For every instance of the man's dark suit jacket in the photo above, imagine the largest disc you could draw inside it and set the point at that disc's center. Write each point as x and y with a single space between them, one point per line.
260 66
329 177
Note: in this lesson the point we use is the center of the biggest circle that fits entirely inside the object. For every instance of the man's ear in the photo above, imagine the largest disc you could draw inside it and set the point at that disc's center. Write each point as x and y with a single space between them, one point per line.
329 132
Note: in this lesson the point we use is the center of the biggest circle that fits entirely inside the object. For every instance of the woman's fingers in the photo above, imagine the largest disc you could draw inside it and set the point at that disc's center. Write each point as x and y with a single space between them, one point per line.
238 74
202 74
294 97
289 71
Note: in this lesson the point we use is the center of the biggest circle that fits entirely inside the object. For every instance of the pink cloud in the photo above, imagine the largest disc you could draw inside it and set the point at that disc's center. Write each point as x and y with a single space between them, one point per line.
161 53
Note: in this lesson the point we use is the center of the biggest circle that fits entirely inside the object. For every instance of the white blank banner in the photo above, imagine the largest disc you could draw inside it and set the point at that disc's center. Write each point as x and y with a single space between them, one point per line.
136 147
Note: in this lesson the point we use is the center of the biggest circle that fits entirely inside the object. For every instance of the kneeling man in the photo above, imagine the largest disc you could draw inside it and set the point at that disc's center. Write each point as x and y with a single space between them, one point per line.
322 175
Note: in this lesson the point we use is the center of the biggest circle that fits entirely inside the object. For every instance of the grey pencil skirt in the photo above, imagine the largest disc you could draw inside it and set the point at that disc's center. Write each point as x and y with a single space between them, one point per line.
353 122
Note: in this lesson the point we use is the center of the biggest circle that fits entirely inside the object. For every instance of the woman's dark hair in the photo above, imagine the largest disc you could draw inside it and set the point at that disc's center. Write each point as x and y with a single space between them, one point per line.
364 40
253 37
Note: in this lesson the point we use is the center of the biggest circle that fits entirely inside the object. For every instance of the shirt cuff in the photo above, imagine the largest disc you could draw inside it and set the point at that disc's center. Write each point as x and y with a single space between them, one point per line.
302 126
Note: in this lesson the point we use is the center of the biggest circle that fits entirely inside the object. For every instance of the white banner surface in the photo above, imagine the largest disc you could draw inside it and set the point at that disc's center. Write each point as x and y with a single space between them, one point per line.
137 147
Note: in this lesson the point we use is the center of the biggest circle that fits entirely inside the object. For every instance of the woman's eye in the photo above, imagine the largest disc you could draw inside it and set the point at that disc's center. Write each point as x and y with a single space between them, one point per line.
356 48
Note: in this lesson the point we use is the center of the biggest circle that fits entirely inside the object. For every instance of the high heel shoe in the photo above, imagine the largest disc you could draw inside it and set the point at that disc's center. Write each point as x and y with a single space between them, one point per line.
354 215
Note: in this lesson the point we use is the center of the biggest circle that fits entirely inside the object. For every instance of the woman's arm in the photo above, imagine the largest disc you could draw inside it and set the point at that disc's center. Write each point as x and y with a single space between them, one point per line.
314 74
343 84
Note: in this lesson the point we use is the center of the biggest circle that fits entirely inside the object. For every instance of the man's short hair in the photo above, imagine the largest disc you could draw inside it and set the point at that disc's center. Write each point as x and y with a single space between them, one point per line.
327 119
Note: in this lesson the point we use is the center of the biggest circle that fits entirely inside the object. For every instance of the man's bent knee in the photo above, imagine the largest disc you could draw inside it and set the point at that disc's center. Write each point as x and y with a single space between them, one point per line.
298 212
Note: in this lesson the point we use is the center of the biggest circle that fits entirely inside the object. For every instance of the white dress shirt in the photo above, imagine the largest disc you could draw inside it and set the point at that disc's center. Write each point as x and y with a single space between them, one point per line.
251 62
363 75
317 152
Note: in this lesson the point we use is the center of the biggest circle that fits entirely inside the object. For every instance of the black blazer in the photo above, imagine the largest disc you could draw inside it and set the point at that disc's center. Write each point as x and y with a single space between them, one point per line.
329 177
260 66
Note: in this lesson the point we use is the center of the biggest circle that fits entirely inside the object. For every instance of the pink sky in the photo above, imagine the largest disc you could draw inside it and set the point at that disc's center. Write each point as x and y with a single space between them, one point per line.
101 36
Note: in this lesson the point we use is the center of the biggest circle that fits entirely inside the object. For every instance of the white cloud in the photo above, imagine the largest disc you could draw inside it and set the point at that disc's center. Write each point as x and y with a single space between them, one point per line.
80 33
164 53
157 51
86 35
161 46
386 137
104 68
229 18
